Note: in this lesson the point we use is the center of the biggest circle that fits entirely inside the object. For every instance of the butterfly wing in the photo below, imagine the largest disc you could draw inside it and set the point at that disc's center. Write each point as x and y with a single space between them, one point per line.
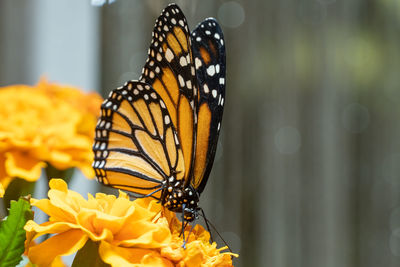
170 71
209 57
136 145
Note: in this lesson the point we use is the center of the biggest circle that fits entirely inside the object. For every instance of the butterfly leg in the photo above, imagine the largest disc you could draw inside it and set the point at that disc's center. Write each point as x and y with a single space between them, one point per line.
191 228
183 226
208 227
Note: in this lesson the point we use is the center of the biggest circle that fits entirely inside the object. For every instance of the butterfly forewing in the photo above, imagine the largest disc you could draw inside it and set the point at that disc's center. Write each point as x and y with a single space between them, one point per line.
209 57
158 136
136 145
169 69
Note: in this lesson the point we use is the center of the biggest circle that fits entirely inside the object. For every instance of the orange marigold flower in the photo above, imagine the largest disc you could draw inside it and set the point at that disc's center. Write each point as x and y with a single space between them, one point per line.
42 124
129 233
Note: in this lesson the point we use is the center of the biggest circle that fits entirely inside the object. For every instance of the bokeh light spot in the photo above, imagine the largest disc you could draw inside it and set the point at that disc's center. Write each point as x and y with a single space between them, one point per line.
231 14
287 140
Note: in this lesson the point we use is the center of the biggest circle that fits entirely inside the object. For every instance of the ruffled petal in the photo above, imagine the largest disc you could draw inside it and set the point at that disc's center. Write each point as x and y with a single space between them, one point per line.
48 228
145 234
20 164
55 213
64 243
131 257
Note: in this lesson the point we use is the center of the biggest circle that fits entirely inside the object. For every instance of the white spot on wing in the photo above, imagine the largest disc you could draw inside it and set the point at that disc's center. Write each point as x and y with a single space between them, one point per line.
183 61
181 81
103 146
162 104
217 68
189 84
167 119
197 62
169 55
206 89
211 70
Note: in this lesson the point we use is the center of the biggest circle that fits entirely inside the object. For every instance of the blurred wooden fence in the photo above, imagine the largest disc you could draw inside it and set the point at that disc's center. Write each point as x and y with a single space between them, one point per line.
307 169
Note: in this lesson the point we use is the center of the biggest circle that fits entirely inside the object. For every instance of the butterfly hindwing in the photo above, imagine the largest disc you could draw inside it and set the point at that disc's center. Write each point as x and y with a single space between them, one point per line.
136 145
209 57
169 69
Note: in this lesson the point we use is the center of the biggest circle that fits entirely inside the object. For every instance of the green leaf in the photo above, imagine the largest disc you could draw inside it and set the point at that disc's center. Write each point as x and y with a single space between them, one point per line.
18 187
89 256
12 233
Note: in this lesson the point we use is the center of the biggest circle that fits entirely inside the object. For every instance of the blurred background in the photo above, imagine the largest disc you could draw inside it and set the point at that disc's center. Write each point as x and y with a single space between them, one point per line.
307 171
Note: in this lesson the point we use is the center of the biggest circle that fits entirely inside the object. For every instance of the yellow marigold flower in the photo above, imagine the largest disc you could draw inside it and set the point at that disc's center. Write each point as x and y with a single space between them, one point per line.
129 233
42 124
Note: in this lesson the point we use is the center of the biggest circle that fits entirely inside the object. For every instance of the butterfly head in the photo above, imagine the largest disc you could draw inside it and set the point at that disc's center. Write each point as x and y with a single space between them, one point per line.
180 198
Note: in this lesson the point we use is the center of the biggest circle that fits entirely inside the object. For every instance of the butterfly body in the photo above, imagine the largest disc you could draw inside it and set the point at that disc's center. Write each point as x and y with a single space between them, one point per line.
157 137
181 198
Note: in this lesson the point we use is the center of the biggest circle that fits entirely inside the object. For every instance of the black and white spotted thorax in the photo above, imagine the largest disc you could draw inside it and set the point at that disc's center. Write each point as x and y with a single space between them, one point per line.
180 198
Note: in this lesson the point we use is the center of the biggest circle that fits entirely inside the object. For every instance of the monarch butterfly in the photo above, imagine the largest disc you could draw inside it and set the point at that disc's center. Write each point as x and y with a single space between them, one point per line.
157 136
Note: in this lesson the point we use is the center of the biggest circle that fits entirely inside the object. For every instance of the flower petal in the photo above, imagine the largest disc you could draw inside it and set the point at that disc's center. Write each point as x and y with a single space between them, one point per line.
144 234
20 164
48 228
132 257
65 243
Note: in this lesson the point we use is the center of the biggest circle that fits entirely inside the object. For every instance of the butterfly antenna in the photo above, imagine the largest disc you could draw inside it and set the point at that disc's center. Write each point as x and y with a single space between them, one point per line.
214 228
